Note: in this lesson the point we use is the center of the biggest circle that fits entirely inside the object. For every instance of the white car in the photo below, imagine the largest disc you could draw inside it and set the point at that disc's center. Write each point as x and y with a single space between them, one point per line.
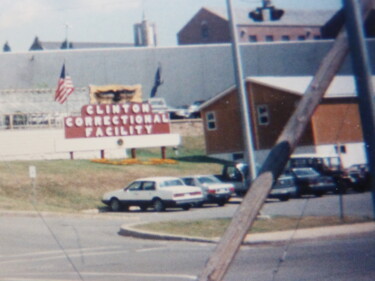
214 191
156 192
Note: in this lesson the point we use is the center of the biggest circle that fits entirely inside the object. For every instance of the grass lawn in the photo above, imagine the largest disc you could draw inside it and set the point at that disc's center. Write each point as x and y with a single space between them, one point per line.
212 228
75 185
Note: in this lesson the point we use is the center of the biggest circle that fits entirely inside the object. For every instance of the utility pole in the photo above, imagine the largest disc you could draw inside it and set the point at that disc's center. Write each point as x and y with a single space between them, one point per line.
365 90
246 116
245 215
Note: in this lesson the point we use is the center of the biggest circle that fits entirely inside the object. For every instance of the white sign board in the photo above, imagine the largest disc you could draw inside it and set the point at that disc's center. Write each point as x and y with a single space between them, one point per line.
32 172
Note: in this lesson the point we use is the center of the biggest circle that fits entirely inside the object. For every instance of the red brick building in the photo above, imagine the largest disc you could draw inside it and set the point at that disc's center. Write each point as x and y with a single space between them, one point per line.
272 100
211 25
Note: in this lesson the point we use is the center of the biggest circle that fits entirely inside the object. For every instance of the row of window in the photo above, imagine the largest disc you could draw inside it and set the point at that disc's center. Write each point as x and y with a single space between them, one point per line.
262 115
270 38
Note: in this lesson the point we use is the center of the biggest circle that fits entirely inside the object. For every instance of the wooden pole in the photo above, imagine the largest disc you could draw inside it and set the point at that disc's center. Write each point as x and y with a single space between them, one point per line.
163 152
224 253
134 153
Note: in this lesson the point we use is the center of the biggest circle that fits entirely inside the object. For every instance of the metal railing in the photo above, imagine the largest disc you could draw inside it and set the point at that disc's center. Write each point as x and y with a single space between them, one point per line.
32 120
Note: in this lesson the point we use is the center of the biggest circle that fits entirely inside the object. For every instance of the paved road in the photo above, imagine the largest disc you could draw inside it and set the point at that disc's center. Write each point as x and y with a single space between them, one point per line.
50 247
90 249
355 204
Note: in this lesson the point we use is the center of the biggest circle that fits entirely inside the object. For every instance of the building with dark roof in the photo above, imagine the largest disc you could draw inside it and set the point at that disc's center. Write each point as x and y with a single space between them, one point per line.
145 35
211 25
189 73
38 45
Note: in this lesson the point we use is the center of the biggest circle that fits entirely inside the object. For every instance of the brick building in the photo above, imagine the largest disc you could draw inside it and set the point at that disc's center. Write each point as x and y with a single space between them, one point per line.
272 100
211 25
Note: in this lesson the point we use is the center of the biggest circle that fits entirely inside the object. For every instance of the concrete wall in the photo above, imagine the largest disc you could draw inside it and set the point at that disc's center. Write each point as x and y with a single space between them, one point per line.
41 145
189 72
187 127
47 144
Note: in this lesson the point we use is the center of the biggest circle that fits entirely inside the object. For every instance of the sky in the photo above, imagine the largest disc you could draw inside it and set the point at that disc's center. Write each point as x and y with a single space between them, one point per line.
111 20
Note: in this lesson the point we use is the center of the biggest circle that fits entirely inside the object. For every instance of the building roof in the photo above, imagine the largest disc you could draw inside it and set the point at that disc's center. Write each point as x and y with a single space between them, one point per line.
193 72
341 86
55 45
290 17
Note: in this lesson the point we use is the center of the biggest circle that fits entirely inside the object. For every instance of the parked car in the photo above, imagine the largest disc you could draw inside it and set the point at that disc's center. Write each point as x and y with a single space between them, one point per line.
159 105
360 177
309 181
156 192
324 164
214 191
180 112
194 109
237 174
284 188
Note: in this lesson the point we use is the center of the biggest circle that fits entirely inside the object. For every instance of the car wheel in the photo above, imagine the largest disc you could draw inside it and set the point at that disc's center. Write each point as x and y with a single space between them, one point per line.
115 205
221 203
186 207
319 194
159 205
284 198
143 208
298 193
198 205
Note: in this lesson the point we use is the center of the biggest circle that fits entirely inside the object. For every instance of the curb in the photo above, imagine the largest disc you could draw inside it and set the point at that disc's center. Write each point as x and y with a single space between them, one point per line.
128 230
261 238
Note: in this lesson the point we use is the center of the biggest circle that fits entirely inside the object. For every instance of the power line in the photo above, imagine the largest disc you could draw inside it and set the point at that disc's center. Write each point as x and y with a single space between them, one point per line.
51 232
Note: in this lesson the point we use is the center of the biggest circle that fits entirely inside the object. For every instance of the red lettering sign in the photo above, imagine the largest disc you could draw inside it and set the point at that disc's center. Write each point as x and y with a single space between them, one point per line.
114 120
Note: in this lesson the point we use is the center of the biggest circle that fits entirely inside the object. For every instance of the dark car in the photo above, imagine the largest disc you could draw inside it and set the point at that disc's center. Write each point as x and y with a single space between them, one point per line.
360 177
324 164
309 181
284 188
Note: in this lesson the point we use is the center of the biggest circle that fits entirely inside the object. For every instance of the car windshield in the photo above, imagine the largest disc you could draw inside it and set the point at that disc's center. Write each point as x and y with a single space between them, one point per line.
174 182
207 179
157 103
305 172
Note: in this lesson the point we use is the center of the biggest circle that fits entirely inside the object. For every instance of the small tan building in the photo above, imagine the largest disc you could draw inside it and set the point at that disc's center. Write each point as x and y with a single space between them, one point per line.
335 126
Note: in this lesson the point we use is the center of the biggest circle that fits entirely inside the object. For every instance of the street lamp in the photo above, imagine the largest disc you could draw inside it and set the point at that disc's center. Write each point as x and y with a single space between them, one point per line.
238 73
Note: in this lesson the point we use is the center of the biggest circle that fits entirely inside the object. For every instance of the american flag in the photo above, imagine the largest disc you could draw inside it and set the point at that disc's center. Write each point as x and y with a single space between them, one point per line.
64 87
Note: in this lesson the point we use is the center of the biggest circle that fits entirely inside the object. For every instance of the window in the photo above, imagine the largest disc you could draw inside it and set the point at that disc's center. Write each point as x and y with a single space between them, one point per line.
253 38
149 185
340 149
173 182
285 38
208 179
211 121
135 186
204 30
242 33
301 37
233 173
317 37
263 115
188 181
269 38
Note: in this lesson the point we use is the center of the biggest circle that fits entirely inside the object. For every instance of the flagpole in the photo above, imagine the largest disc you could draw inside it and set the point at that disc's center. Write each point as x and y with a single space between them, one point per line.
67 103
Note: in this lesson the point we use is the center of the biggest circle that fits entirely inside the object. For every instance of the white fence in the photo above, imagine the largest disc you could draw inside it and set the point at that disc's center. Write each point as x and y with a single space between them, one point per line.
36 108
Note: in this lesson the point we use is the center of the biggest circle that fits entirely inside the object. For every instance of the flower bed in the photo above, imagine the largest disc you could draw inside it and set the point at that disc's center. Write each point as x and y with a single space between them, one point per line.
132 161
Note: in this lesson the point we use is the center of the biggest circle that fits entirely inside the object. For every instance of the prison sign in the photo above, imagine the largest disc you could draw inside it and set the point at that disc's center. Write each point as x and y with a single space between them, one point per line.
116 120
